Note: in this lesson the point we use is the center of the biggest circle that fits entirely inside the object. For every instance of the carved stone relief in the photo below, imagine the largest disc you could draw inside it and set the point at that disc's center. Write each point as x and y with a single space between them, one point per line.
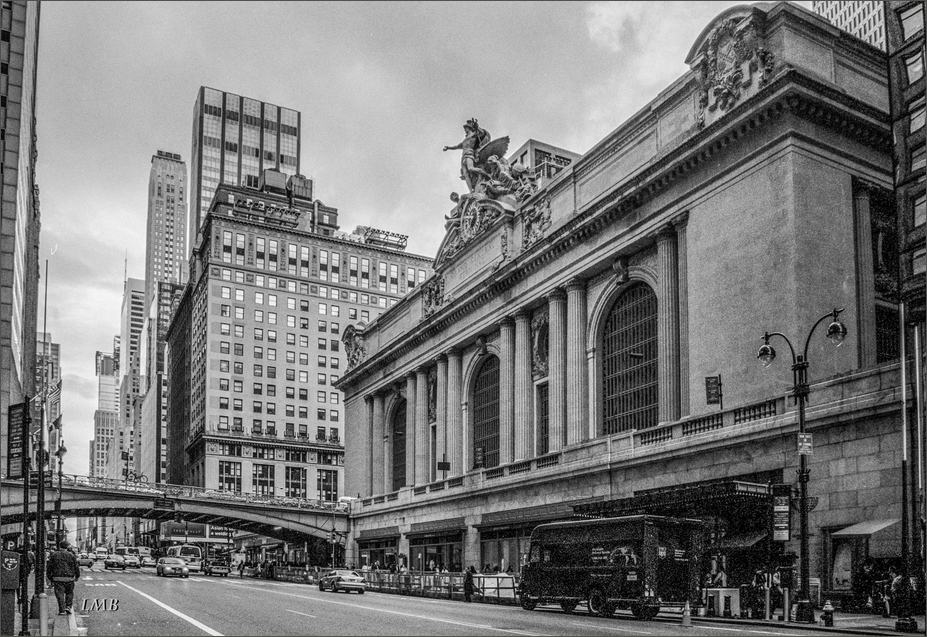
540 343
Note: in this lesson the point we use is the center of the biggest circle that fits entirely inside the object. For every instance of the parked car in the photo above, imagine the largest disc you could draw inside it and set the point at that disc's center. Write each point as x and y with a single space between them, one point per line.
132 561
342 581
168 566
147 560
216 567
115 561
84 560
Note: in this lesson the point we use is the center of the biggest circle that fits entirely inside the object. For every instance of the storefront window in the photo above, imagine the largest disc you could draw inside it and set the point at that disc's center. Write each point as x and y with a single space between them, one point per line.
504 550
437 552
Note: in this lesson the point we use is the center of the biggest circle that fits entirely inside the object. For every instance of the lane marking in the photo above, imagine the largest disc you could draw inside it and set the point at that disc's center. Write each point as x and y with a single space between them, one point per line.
396 612
621 630
206 629
298 613
744 630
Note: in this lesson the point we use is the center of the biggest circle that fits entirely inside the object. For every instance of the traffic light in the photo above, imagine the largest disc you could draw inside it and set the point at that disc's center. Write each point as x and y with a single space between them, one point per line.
331 537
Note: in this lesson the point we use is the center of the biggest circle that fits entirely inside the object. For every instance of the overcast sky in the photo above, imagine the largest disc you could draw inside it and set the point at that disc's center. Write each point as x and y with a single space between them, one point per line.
381 88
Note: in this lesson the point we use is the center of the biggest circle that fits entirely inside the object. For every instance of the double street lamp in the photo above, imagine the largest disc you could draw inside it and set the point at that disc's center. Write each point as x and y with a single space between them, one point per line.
836 332
60 453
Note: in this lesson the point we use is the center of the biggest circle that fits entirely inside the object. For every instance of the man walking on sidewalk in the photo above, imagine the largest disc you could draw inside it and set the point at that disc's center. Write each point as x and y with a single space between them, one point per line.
63 571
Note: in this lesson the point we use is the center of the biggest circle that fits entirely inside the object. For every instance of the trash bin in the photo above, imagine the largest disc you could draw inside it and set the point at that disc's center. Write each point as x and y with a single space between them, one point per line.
9 583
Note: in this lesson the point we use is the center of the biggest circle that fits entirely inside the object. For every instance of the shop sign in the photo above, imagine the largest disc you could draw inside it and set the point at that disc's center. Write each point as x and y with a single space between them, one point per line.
781 512
164 504
804 445
18 416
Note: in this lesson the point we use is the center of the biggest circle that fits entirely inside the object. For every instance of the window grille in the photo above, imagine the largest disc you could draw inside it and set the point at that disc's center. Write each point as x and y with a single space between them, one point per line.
486 413
629 372
398 435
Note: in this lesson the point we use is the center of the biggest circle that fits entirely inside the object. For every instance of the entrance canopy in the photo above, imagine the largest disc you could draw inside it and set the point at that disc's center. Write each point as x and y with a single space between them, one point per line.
692 500
865 529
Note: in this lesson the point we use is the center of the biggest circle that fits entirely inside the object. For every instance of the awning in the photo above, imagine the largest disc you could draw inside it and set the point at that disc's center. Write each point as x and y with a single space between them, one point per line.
687 500
865 529
739 541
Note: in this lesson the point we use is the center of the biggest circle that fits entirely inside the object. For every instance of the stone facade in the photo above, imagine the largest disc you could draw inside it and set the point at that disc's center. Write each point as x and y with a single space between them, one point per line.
724 209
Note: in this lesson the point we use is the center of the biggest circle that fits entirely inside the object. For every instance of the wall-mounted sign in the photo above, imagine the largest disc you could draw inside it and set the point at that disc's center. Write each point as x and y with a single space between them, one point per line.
804 445
19 439
781 512
713 394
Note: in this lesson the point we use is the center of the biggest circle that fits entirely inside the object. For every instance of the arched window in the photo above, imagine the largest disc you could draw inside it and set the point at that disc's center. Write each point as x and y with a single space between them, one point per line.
629 362
486 413
397 430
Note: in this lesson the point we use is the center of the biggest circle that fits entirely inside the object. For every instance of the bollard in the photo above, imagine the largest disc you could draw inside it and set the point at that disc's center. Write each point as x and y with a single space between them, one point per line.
727 605
827 616
687 616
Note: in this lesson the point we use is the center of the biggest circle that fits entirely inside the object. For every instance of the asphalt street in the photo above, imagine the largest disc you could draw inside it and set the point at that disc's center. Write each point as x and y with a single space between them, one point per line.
149 605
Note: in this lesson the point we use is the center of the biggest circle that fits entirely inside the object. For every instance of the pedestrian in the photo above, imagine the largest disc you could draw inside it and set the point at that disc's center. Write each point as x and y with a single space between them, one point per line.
241 568
469 586
63 571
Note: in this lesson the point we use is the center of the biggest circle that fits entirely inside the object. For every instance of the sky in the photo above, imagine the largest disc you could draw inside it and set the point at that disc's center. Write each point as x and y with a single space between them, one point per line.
382 87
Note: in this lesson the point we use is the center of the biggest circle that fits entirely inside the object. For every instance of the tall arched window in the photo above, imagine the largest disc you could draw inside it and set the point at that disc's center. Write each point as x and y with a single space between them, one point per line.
397 429
486 413
629 362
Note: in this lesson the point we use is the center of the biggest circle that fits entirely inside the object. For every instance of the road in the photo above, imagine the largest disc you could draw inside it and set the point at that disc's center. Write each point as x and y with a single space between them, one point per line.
149 605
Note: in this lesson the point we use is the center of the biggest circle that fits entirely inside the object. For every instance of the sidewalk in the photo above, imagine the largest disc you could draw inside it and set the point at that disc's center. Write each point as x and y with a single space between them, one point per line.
844 623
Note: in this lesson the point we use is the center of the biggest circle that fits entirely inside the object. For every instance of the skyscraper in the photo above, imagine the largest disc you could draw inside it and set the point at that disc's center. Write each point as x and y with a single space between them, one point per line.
234 139
19 231
165 248
865 20
106 414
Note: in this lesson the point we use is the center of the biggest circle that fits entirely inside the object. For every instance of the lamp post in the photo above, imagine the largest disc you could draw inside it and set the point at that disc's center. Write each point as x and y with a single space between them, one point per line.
60 453
836 332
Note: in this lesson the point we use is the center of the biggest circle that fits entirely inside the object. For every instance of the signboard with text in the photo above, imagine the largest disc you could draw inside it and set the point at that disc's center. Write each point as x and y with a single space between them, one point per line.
19 438
713 390
781 512
804 445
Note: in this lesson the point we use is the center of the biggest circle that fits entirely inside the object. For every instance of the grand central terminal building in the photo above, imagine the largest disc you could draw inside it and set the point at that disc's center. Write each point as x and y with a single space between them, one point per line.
554 365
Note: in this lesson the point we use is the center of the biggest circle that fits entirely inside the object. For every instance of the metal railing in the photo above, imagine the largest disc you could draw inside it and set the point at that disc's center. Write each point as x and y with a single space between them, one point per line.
185 491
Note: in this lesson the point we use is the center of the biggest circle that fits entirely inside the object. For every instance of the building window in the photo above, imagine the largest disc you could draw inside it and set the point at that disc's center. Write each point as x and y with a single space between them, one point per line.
917 111
257 427
486 414
919 262
296 482
328 485
223 423
912 20
543 418
920 210
263 479
229 476
398 439
918 158
629 362
915 66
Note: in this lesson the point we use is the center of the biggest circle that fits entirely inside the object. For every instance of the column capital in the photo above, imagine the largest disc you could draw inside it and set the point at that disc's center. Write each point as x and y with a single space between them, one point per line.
506 321
451 352
665 232
557 295
440 358
421 370
576 284
369 398
681 220
523 314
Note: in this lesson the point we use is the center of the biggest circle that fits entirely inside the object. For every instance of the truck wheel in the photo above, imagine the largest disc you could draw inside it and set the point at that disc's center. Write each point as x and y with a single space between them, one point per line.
568 607
527 603
598 604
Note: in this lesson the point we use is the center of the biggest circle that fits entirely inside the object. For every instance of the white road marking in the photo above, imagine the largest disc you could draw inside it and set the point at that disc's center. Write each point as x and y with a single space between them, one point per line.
396 612
206 629
742 630
621 630
297 612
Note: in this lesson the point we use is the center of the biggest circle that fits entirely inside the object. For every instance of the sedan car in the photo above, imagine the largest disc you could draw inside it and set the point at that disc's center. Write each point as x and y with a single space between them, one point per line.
132 561
84 560
149 561
216 568
168 566
115 561
342 581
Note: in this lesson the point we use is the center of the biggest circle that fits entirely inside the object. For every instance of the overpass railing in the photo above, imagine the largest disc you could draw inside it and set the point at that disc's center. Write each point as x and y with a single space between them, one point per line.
185 491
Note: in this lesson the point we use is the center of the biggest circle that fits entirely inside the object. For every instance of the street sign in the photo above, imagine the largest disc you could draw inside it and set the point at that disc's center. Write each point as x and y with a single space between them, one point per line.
478 458
34 479
781 512
19 439
804 445
713 390
164 504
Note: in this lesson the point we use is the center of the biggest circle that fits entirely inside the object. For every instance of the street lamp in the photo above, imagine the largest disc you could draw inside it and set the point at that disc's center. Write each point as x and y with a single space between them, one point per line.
60 453
836 332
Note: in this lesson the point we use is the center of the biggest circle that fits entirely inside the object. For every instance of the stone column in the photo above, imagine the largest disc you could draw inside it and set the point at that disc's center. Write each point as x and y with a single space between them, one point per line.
411 438
455 421
557 369
681 223
422 430
576 372
380 447
370 447
441 413
506 390
668 326
865 277
524 389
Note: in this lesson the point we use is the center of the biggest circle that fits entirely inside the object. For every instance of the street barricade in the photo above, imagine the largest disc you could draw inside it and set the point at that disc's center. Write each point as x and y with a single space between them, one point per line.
497 589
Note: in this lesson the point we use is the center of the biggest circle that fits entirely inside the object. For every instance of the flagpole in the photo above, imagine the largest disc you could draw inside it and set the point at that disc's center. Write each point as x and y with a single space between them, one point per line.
40 493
